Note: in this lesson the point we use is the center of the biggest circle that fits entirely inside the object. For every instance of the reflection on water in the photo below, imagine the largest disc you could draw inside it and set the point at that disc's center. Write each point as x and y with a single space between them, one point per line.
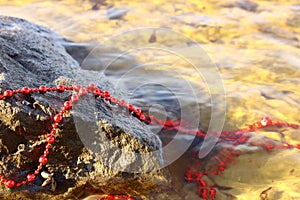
255 45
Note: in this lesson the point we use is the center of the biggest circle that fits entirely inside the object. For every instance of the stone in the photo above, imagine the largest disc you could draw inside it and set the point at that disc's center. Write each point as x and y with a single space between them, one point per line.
116 13
244 4
99 148
247 5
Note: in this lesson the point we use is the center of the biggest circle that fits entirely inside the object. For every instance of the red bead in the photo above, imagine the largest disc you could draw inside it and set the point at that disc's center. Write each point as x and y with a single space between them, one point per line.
142 118
60 88
97 92
113 100
82 92
48 146
50 139
74 98
77 87
123 103
204 194
18 184
91 87
10 183
130 107
8 93
269 147
203 182
43 160
68 105
3 180
137 111
106 94
30 177
212 192
43 89
25 90
24 182
58 118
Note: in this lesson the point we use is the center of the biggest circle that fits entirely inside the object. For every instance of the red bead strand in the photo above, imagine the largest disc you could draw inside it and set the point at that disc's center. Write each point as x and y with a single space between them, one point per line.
225 157
8 93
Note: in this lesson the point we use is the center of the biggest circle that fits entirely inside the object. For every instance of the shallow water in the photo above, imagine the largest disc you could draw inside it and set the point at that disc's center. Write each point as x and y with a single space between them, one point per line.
180 52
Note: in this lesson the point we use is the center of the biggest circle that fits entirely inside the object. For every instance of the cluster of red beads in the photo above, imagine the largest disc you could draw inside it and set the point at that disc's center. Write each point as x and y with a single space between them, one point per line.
227 156
194 174
223 159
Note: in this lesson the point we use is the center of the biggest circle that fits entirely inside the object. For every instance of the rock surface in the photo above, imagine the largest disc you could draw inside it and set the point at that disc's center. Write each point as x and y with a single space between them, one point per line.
81 164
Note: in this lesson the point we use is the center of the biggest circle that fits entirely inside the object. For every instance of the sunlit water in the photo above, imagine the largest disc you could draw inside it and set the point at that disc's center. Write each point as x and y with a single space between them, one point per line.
150 50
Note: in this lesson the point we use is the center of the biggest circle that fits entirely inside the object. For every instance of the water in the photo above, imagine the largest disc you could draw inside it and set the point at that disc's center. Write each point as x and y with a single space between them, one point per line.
255 46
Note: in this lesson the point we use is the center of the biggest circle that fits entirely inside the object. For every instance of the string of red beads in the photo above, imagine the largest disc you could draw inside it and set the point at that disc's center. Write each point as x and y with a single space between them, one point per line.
206 192
58 118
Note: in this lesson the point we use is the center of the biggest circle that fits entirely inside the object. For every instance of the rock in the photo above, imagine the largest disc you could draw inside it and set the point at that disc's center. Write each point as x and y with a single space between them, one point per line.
101 155
116 13
244 4
247 5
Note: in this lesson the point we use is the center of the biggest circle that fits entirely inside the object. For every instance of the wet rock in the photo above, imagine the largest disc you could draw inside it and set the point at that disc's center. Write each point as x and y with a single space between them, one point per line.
99 153
245 5
98 4
116 13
